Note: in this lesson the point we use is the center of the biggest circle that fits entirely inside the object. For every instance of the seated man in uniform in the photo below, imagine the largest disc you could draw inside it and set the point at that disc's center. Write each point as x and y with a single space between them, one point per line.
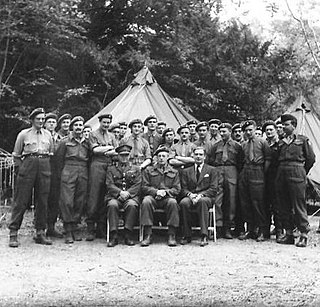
123 188
160 187
199 186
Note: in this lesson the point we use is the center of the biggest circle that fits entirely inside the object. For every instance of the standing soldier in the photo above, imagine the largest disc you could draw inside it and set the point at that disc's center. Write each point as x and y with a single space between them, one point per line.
193 136
214 130
140 153
168 141
123 188
103 144
123 130
296 157
237 133
153 138
32 150
72 158
115 130
272 206
64 124
53 199
160 187
203 140
257 156
280 131
226 155
86 131
161 126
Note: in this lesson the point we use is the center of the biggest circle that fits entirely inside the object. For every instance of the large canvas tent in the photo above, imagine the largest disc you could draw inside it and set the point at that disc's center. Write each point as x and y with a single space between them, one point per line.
144 97
309 125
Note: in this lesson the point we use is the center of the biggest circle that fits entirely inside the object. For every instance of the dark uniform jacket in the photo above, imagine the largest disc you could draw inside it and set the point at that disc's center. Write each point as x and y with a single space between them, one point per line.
127 178
207 185
154 179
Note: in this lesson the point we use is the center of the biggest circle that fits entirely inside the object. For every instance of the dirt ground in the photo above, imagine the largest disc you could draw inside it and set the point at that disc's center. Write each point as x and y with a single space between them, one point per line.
225 273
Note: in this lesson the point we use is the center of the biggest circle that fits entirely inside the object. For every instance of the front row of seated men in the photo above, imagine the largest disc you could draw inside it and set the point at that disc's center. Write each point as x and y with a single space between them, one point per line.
161 187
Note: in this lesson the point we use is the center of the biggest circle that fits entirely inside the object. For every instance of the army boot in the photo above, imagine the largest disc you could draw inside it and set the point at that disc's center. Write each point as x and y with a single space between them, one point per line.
13 238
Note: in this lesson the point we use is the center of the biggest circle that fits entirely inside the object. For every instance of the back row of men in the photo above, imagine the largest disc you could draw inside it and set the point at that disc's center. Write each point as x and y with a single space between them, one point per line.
251 179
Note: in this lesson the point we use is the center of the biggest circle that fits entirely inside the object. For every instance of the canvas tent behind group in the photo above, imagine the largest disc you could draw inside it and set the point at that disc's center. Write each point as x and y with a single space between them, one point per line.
144 97
309 125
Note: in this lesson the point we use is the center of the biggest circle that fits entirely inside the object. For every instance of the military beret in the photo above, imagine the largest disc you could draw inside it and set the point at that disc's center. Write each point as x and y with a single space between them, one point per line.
278 121
226 125
191 122
202 124
135 121
35 112
182 127
122 124
236 126
87 126
51 115
248 123
123 149
63 117
268 123
165 131
106 115
286 117
148 118
161 149
161 123
76 119
114 126
215 121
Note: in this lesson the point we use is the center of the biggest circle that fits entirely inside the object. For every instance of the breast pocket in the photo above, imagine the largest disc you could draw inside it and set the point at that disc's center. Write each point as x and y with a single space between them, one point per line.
30 146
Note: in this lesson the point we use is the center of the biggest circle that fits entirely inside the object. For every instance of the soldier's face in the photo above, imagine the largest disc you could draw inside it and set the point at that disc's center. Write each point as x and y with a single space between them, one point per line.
123 130
152 124
198 156
225 134
192 128
169 137
86 132
105 123
160 129
258 133
250 131
184 134
123 158
136 129
50 124
237 134
271 131
116 132
214 128
38 121
163 157
288 128
280 129
78 127
203 131
65 124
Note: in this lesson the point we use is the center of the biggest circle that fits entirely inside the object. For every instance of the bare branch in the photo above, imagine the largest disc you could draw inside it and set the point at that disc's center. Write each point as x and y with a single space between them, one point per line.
4 65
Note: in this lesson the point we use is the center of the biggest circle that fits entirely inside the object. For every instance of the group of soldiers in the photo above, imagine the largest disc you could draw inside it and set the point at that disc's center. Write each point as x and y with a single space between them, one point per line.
253 177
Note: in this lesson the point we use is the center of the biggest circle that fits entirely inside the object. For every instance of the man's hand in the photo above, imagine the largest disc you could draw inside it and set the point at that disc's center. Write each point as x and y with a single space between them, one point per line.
124 195
161 194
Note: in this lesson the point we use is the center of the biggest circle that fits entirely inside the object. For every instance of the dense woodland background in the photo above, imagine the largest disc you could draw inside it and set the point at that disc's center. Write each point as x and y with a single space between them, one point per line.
76 56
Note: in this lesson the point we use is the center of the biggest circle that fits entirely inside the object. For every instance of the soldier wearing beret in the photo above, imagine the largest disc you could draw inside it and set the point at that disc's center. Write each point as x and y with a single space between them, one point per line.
296 157
161 126
115 129
103 143
123 189
203 140
160 187
123 129
64 124
280 131
168 141
272 206
140 154
214 130
257 156
72 158
151 135
237 133
53 200
183 149
192 124
86 131
227 156
31 153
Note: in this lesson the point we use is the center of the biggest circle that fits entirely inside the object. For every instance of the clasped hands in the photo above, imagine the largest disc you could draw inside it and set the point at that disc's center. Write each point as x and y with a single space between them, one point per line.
194 197
160 194
124 195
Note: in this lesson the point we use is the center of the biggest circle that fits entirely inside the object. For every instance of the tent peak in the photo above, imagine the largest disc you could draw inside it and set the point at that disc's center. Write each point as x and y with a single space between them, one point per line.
143 77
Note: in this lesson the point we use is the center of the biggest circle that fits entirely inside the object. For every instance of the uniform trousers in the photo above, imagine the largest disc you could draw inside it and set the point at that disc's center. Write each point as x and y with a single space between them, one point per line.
202 209
54 194
291 193
34 173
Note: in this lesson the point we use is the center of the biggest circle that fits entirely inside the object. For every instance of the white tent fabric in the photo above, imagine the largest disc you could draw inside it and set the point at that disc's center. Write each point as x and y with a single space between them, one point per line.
309 125
144 97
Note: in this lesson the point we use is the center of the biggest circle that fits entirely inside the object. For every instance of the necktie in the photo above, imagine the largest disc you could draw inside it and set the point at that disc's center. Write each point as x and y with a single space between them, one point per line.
135 147
225 152
198 172
183 150
251 152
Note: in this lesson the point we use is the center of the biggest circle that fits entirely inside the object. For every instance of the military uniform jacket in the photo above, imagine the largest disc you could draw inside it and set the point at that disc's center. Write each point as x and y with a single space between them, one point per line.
154 140
207 185
298 150
154 179
123 178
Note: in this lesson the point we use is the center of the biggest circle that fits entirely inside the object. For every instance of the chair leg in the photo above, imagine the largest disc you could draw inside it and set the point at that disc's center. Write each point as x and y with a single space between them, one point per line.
214 223
108 231
140 227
